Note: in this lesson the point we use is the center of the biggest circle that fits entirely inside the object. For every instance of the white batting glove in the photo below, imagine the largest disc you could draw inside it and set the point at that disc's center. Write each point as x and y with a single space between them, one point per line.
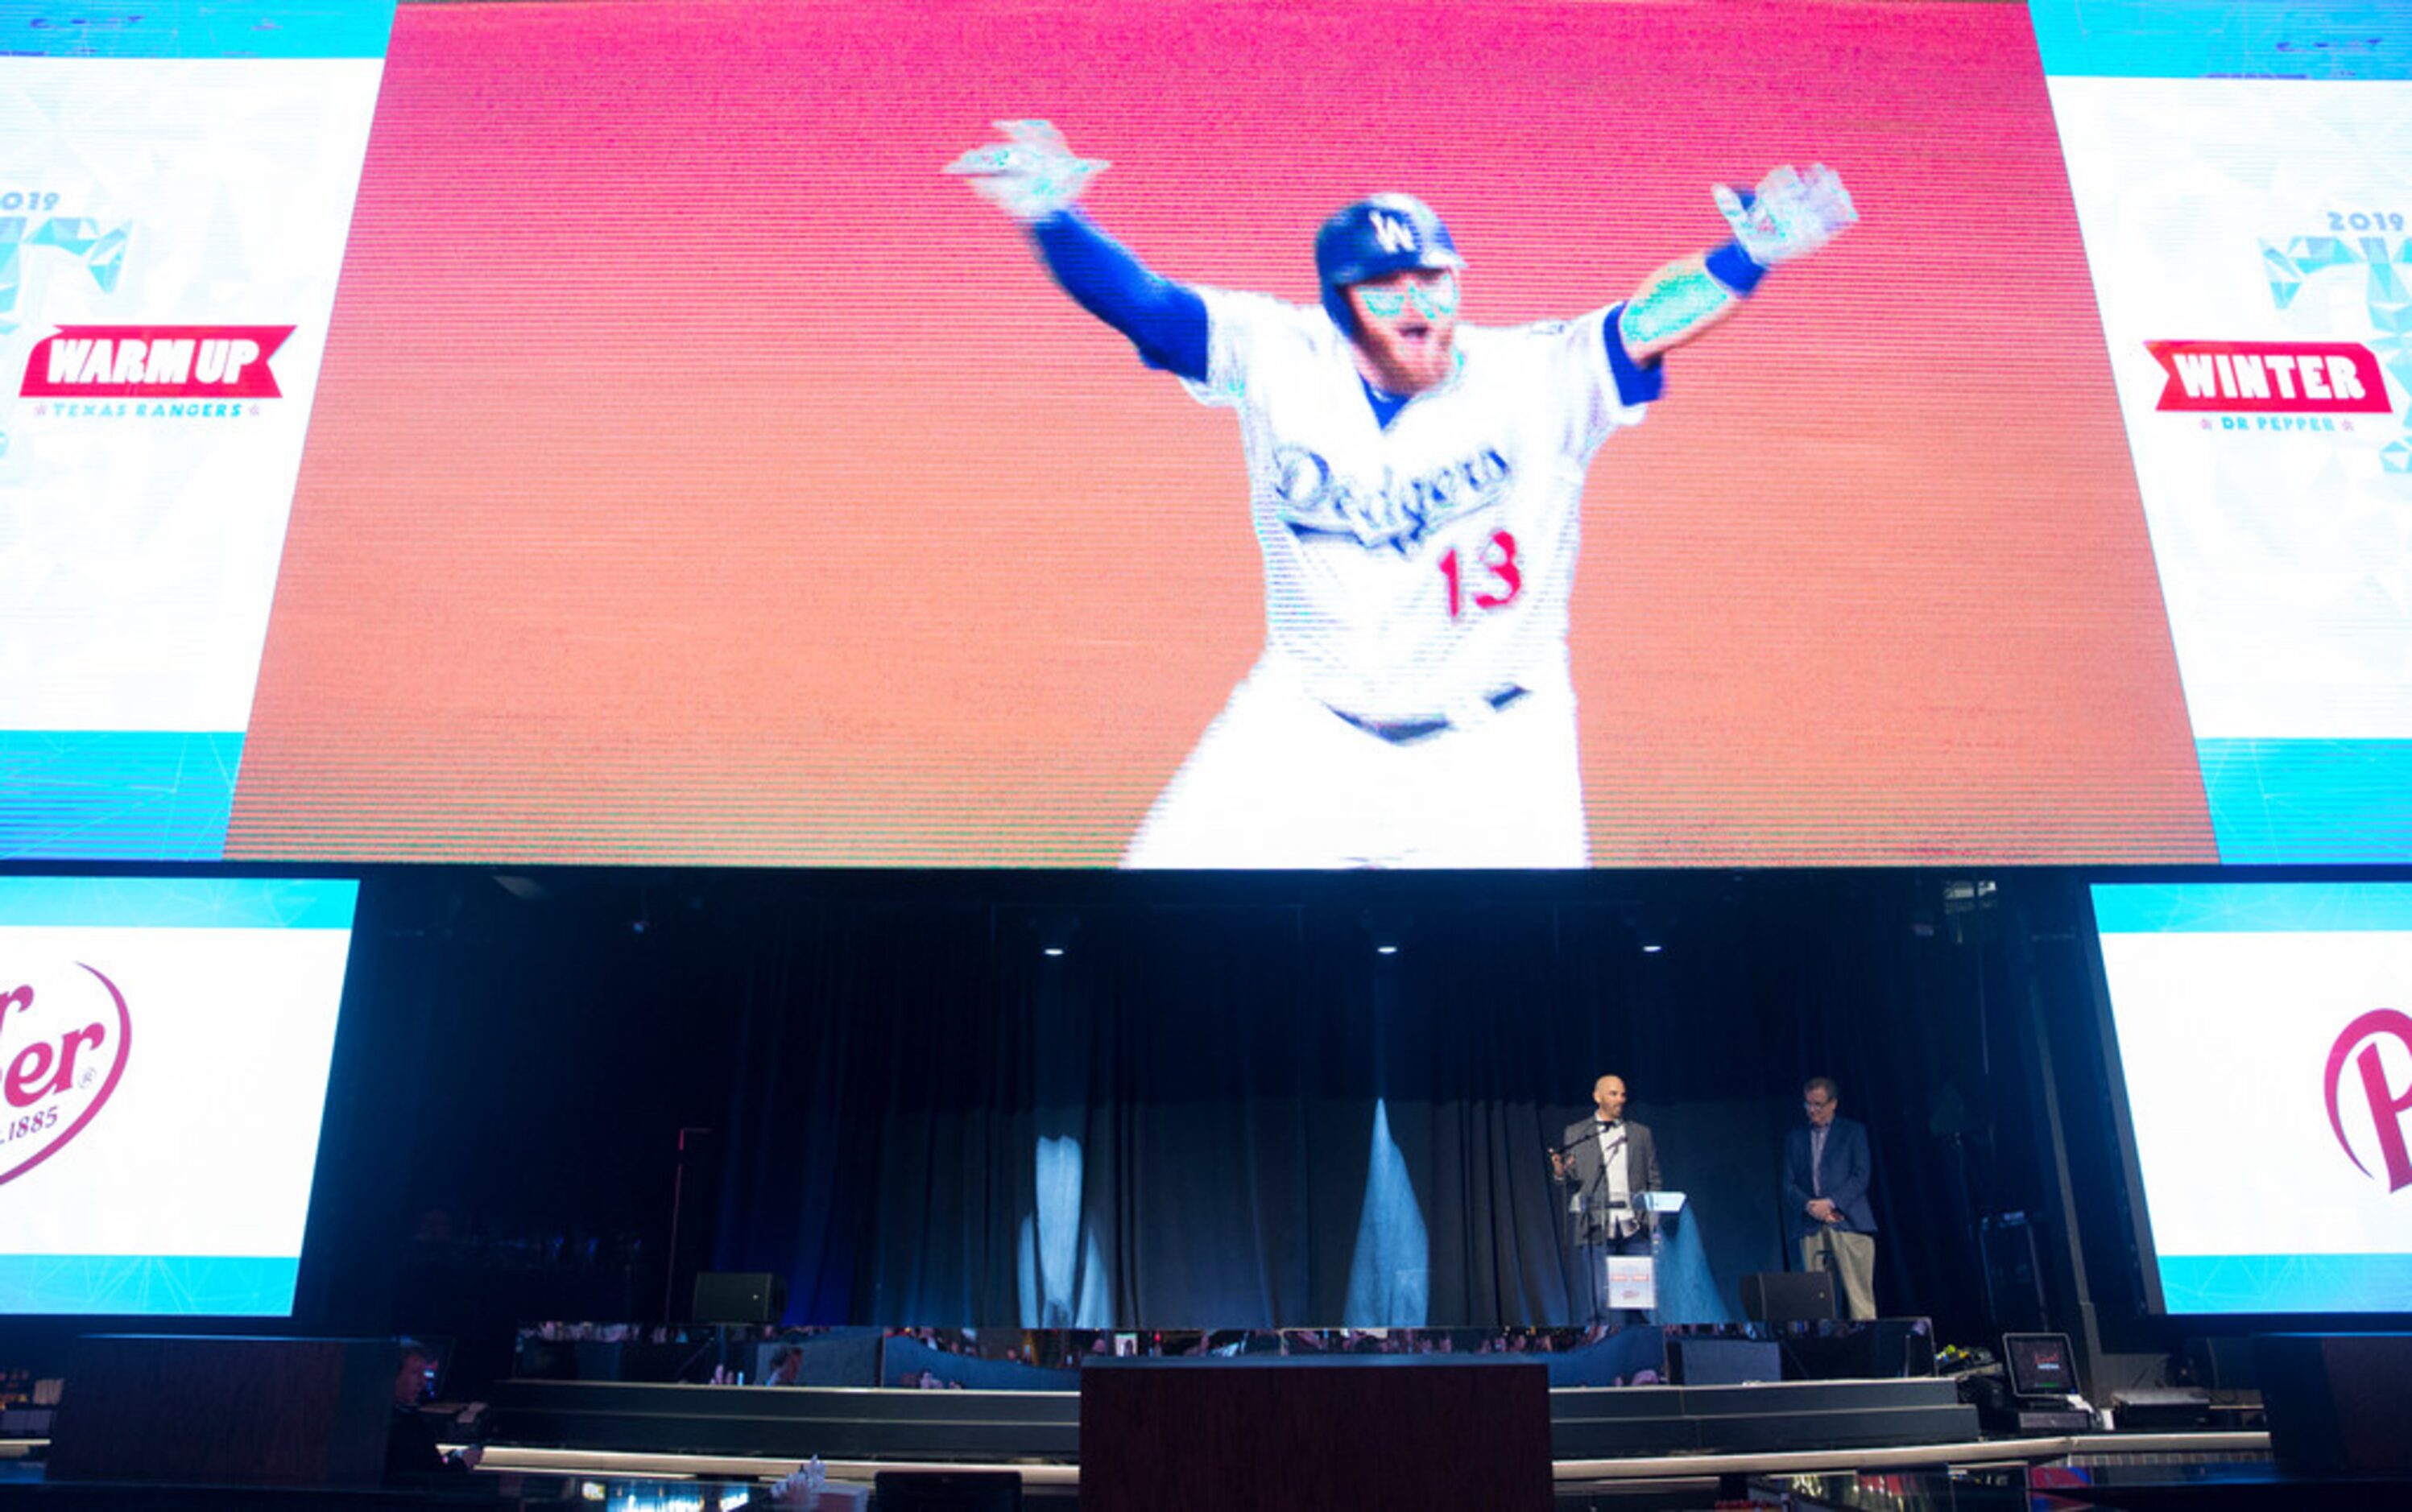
1790 215
1030 175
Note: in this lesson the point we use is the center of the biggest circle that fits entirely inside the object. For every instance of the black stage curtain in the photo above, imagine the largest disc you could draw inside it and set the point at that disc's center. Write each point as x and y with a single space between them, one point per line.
1175 1123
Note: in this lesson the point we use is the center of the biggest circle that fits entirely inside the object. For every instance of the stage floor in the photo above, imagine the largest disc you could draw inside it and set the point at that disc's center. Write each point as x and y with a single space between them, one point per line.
2224 1469
2228 1472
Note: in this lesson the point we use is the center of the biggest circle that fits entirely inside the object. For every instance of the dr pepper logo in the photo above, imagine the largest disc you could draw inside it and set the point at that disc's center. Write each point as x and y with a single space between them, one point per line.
62 1051
155 362
2358 1074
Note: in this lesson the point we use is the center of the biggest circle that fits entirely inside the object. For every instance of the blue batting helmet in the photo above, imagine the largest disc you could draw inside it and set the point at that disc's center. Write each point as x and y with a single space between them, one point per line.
1375 237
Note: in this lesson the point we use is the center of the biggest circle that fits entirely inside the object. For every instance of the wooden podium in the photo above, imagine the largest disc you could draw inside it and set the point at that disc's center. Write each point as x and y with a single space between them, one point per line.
1267 1434
225 1411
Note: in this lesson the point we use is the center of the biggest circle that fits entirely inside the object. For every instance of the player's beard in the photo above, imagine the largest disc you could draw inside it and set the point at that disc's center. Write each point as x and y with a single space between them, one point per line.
1408 357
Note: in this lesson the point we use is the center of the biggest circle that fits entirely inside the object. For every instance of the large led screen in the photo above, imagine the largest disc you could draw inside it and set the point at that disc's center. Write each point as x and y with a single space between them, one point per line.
2242 177
174 196
164 1052
2268 1069
696 471
700 472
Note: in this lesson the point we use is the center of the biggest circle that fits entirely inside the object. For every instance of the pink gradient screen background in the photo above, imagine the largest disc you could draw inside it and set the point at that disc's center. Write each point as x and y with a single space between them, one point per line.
698 475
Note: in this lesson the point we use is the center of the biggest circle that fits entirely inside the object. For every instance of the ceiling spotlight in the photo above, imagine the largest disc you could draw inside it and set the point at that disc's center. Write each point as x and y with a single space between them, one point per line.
1054 928
1387 928
1968 909
1648 924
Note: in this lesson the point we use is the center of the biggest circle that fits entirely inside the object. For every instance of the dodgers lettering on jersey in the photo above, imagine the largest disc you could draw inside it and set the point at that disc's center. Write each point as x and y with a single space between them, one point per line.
1400 513
1422 567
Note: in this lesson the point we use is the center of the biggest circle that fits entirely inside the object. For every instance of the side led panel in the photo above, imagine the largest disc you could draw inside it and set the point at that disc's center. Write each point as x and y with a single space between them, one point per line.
173 207
164 1052
2242 177
2268 1065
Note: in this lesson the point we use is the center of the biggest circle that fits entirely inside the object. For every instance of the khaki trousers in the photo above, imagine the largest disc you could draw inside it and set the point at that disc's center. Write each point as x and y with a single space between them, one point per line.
1854 1268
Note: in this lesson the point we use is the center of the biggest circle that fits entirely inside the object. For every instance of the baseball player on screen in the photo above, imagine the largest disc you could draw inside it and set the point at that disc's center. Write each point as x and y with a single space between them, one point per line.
1416 487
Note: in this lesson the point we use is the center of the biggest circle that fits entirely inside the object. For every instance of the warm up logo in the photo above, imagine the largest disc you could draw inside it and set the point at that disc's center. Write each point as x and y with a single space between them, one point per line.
155 362
62 1051
2270 377
2359 1071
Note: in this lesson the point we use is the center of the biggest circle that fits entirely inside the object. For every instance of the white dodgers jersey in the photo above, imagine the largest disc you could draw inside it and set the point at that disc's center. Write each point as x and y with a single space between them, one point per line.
1422 567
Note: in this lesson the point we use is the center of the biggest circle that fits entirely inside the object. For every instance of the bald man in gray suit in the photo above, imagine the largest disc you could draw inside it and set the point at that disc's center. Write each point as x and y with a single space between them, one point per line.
1606 1160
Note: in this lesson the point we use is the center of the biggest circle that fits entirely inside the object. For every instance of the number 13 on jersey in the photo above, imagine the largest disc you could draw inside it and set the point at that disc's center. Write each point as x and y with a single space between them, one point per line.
1487 579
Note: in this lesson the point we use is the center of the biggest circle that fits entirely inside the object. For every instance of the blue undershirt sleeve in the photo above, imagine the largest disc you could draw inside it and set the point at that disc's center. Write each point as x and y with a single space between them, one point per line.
1165 320
1636 383
1735 268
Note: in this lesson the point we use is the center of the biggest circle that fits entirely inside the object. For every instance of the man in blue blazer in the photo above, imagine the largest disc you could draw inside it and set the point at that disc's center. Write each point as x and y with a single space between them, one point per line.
1826 1175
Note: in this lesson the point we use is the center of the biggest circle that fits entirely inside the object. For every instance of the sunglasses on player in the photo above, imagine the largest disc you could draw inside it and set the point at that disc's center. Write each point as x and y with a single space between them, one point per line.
1432 299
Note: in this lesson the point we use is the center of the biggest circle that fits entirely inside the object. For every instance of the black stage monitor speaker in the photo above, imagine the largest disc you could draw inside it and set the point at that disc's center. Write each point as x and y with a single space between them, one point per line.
1900 1347
2335 1400
2221 1364
1879 1349
946 1491
2013 1280
1723 1362
739 1297
1787 1296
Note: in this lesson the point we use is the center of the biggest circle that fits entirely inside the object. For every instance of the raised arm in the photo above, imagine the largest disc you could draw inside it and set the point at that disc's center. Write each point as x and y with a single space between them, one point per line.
1788 216
1035 178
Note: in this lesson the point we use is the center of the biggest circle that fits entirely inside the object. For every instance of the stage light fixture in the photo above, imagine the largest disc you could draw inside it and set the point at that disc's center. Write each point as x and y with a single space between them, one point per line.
1968 909
1054 928
1387 928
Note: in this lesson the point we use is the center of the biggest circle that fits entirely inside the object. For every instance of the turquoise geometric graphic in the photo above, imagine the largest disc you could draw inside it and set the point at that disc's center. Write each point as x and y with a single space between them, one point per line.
117 795
2390 299
2276 800
101 250
2222 39
188 1286
183 903
201 29
2252 907
2286 1282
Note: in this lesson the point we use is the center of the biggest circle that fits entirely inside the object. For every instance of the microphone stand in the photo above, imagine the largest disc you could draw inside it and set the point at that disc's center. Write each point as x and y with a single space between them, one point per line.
1594 1266
1830 1263
1585 1137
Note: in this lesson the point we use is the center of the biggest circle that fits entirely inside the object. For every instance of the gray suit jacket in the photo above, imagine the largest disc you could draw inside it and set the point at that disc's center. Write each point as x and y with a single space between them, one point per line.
1594 1222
